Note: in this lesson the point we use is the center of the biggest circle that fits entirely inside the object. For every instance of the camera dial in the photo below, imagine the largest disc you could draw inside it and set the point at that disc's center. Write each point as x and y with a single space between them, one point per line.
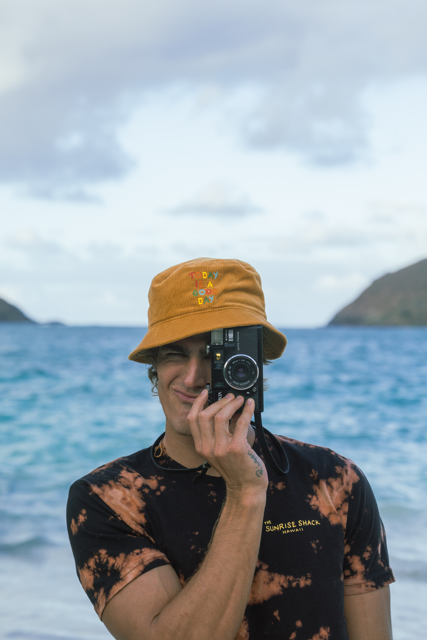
241 372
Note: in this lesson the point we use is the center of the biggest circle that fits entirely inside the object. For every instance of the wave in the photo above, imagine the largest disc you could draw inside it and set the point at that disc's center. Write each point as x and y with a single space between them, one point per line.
414 571
398 511
28 374
25 547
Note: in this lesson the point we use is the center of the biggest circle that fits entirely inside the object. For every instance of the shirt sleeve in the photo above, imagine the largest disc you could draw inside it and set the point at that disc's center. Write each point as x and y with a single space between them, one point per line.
366 563
109 538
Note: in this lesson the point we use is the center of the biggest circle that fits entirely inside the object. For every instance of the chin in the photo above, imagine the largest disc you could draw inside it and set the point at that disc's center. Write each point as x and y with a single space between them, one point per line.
178 422
182 428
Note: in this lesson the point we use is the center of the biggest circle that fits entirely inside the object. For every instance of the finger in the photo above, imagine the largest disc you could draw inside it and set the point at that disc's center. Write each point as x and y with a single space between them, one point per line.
222 421
207 417
214 418
199 402
193 415
223 418
225 412
202 422
214 408
244 420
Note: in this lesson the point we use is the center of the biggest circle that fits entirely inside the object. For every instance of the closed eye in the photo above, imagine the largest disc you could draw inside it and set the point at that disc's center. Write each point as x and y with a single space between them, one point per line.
173 354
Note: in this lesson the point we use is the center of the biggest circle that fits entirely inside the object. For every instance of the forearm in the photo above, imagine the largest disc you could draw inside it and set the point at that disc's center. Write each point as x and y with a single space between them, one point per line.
368 615
211 606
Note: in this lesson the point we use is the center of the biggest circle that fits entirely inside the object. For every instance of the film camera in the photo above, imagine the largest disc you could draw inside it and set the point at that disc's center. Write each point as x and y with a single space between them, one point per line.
236 364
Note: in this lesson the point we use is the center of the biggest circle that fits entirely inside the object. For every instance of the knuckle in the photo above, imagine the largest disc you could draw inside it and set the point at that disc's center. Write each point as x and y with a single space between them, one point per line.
219 418
204 414
234 448
203 420
220 450
242 419
199 448
192 415
207 453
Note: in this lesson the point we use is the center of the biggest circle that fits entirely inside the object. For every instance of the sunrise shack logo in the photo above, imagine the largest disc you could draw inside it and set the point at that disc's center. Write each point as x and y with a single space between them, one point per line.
291 526
204 286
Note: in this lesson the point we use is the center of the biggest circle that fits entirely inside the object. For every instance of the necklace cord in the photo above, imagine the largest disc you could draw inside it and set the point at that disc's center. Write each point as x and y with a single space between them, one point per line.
160 450
154 454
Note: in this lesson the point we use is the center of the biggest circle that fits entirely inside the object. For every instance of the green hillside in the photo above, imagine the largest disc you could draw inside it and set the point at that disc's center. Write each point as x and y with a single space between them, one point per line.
396 299
9 313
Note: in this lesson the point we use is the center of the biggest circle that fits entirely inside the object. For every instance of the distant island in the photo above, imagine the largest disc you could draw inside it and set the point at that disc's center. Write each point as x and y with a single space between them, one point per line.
396 299
10 313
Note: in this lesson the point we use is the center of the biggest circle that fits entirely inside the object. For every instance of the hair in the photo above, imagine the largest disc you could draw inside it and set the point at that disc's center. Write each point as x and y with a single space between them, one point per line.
152 355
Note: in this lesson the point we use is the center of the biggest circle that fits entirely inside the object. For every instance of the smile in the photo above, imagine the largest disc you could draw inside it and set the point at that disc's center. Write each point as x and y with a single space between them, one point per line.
185 397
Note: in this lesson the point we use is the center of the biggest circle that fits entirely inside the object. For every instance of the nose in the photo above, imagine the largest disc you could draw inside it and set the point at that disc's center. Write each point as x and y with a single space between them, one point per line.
197 373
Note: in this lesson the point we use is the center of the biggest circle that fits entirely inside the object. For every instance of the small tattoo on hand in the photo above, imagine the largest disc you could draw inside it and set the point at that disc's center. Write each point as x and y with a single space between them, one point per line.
255 458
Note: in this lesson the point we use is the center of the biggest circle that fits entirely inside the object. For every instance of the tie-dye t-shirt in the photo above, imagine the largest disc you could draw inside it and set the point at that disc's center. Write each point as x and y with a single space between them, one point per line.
322 537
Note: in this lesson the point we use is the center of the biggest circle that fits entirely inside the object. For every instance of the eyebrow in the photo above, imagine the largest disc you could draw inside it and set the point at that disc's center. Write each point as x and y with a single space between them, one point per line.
171 347
179 349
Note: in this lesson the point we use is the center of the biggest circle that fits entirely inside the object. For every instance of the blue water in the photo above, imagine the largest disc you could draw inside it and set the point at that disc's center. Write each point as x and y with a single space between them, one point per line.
70 400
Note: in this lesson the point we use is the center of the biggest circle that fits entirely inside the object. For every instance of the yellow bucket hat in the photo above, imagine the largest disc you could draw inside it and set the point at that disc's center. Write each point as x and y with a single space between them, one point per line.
202 295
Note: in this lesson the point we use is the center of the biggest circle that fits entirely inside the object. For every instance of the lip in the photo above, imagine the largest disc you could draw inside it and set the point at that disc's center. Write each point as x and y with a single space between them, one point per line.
186 397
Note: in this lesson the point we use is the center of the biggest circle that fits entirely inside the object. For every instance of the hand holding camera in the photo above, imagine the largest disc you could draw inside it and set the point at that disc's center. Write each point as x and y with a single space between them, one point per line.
227 449
237 366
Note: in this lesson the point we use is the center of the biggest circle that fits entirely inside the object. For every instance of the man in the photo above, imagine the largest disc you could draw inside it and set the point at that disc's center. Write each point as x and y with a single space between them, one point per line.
242 553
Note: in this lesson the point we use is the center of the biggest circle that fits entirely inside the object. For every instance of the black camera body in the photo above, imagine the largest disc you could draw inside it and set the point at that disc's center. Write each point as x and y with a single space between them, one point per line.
236 364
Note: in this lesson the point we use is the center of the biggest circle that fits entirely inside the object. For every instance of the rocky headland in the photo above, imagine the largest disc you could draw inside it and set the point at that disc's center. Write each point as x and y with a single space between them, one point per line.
396 299
10 313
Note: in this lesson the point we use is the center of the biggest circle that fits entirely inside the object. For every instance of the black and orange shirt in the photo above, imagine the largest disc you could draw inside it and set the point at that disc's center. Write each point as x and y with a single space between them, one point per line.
322 537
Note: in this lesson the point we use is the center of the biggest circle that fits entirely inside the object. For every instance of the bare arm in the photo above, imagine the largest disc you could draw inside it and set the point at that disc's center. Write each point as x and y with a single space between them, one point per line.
212 604
368 615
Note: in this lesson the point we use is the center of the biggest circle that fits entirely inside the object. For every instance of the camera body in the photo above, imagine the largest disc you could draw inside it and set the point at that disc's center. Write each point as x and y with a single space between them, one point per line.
236 364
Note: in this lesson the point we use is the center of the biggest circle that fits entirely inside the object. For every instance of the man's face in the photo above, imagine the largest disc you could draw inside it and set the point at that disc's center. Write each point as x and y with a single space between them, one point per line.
183 370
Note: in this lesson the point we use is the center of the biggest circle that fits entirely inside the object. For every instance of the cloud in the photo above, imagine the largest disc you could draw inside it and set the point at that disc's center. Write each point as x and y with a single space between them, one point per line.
393 212
72 72
340 282
315 237
217 200
94 284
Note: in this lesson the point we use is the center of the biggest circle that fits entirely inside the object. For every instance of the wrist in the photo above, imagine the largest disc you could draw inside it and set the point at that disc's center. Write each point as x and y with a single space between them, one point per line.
246 496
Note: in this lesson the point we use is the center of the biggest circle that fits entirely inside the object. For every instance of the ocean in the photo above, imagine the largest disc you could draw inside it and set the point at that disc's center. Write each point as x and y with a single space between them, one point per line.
70 401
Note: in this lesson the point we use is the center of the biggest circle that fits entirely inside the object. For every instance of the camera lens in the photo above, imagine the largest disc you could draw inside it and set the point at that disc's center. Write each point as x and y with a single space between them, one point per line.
241 372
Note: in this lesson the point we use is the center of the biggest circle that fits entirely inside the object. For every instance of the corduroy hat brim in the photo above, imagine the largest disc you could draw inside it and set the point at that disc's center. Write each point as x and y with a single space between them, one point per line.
177 311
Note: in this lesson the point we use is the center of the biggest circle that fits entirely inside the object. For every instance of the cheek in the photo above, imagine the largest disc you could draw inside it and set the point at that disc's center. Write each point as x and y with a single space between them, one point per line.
165 398
162 388
165 375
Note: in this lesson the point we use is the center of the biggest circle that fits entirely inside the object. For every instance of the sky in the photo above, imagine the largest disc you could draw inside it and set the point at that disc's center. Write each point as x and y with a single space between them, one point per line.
137 135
